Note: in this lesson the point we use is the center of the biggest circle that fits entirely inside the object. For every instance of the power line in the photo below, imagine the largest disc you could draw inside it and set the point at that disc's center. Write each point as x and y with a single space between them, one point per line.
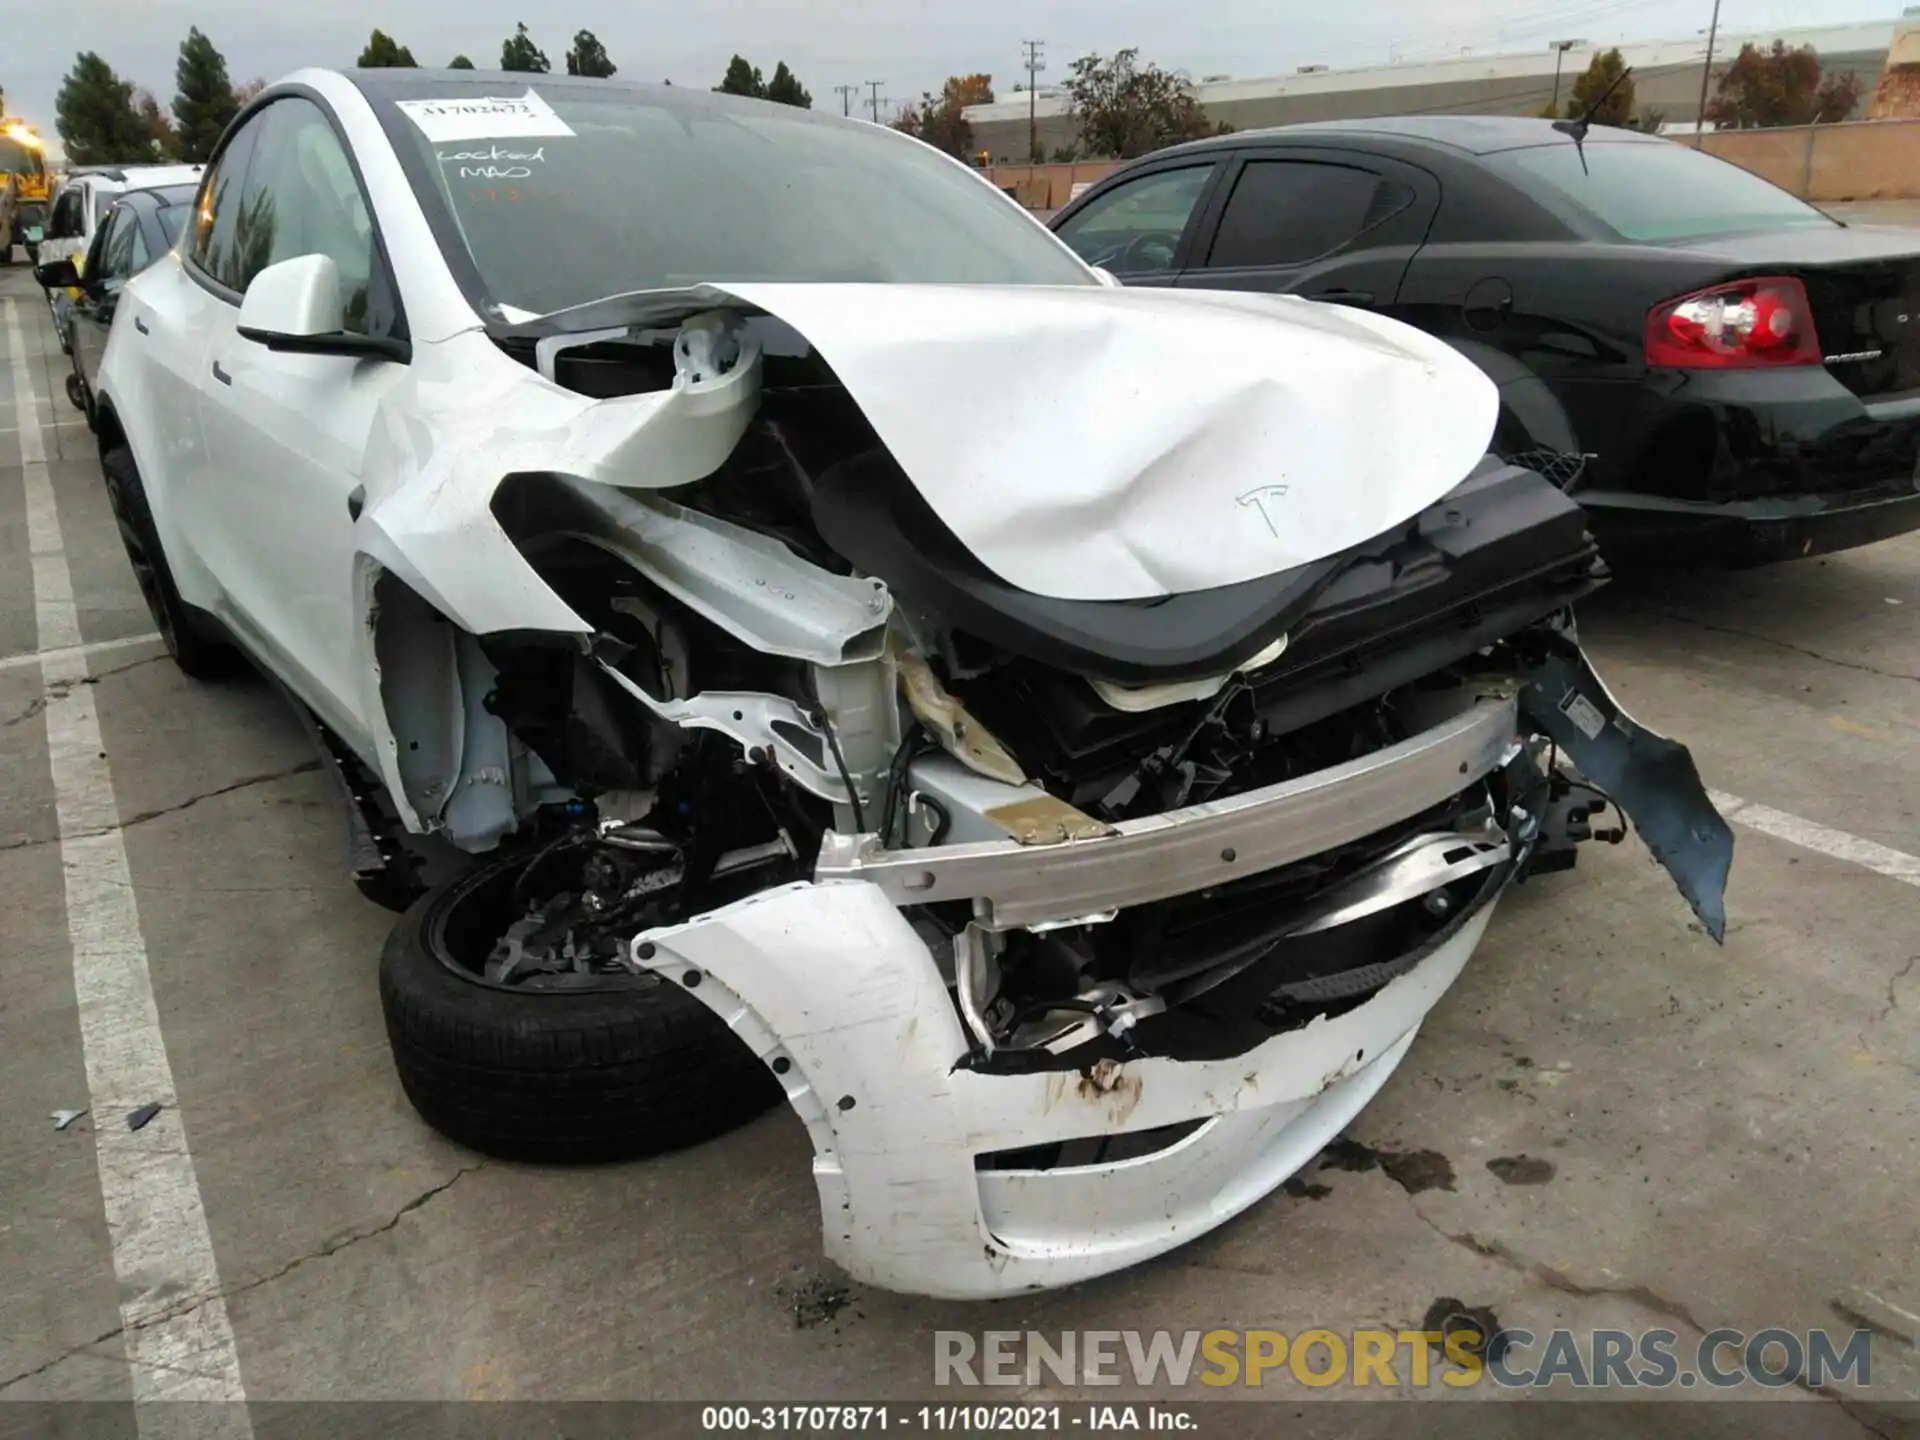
874 86
845 92
1035 62
1706 74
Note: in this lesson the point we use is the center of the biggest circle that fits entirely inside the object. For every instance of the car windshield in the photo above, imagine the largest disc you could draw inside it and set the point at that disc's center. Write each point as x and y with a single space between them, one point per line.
611 189
1654 192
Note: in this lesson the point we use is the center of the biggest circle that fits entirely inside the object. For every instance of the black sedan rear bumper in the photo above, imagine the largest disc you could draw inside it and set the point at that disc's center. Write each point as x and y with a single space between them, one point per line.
1649 529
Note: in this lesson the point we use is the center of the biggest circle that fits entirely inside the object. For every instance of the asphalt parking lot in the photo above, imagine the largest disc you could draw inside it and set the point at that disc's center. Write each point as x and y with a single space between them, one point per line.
1616 1122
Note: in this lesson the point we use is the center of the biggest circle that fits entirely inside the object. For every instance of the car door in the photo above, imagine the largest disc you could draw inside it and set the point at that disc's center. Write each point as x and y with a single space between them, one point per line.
286 434
118 254
1141 227
1326 224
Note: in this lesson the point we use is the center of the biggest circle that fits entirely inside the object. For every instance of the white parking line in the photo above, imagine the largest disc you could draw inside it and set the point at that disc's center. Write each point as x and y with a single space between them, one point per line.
176 1334
1881 859
94 647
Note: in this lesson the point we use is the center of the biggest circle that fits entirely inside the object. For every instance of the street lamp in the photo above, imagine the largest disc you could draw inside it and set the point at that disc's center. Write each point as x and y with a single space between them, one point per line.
1560 48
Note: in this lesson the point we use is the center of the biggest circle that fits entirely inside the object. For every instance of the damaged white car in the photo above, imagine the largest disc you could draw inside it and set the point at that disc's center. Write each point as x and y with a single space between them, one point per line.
787 626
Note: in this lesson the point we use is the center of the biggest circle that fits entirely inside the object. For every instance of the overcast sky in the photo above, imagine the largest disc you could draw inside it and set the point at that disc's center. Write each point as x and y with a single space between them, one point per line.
909 45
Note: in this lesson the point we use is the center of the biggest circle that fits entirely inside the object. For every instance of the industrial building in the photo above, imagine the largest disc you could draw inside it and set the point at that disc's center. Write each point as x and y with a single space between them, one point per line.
1666 79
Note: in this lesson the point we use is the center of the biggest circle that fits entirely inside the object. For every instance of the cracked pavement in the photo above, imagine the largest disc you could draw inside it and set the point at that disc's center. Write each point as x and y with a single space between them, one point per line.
1609 1122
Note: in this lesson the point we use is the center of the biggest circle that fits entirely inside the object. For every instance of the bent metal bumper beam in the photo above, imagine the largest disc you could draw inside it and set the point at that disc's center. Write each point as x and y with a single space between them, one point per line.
831 986
1181 851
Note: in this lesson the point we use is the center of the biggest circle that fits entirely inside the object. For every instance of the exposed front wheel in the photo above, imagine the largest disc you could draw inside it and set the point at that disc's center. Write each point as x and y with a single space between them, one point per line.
505 1049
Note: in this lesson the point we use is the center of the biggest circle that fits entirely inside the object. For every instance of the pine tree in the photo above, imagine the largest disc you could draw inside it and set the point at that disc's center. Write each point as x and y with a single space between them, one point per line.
589 57
519 52
166 144
742 79
785 88
204 104
96 117
383 52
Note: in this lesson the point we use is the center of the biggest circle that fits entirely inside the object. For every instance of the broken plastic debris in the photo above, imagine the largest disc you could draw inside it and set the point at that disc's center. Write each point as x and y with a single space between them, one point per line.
137 1119
63 1118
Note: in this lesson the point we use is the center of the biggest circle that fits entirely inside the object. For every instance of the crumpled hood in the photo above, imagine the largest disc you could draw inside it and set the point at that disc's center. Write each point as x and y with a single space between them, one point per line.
1118 444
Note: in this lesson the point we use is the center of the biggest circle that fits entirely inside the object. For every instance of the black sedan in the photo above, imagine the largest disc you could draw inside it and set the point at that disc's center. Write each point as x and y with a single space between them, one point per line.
1715 369
140 228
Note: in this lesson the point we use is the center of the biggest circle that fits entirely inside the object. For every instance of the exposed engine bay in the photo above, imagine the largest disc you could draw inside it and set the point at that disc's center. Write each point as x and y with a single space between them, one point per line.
795 646
1014 891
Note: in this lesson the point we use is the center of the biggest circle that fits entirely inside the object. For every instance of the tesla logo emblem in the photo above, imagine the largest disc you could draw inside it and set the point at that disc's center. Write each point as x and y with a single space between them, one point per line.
1260 499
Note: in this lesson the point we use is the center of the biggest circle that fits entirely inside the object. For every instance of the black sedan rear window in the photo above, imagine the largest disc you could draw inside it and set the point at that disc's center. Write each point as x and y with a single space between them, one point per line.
173 219
1653 192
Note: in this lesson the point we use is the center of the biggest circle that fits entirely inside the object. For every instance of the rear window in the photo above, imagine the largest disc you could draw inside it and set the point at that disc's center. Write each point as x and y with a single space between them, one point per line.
173 219
1662 191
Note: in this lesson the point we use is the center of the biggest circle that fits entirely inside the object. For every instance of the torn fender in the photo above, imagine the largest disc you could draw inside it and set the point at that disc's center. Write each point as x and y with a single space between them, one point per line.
1651 778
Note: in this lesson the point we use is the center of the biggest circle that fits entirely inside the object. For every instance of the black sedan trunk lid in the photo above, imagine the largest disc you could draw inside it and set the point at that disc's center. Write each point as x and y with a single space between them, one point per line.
1863 282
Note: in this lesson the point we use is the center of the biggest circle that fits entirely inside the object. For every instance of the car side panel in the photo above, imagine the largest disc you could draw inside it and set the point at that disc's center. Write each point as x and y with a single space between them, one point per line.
1559 327
147 380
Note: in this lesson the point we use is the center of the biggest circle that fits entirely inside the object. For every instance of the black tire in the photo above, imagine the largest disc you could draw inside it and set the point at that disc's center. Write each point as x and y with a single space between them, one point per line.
557 1076
80 397
190 634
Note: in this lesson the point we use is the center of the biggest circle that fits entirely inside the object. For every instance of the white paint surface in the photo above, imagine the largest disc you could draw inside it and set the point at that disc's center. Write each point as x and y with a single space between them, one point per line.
1089 443
177 1338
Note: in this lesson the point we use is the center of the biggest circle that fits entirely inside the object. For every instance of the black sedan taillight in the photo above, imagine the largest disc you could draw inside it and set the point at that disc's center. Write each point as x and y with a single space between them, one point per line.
1746 324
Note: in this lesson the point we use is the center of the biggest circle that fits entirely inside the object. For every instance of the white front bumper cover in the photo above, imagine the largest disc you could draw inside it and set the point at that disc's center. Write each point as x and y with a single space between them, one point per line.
830 984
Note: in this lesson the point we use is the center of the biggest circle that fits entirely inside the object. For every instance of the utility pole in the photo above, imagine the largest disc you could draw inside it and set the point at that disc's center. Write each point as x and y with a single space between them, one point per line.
1036 62
845 92
1706 74
1559 48
874 87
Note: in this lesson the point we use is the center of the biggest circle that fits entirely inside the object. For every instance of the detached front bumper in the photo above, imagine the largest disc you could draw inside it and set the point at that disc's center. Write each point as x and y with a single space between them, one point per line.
833 986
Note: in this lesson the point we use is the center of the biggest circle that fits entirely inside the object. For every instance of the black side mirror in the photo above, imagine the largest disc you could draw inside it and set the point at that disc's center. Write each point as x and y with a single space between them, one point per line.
56 274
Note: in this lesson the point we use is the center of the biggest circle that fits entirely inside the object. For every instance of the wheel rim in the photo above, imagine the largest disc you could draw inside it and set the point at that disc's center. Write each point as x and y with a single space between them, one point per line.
145 573
462 931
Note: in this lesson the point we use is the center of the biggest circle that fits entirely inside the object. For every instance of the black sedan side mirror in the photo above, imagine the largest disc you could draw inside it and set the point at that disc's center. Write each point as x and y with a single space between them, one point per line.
56 274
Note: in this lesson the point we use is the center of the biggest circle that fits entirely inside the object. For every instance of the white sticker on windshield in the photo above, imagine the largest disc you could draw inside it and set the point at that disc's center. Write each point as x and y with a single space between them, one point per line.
485 117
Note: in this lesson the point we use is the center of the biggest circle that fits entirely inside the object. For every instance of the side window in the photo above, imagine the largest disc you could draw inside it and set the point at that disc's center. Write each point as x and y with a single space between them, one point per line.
138 256
99 261
217 212
69 215
123 232
1135 228
301 199
1287 212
